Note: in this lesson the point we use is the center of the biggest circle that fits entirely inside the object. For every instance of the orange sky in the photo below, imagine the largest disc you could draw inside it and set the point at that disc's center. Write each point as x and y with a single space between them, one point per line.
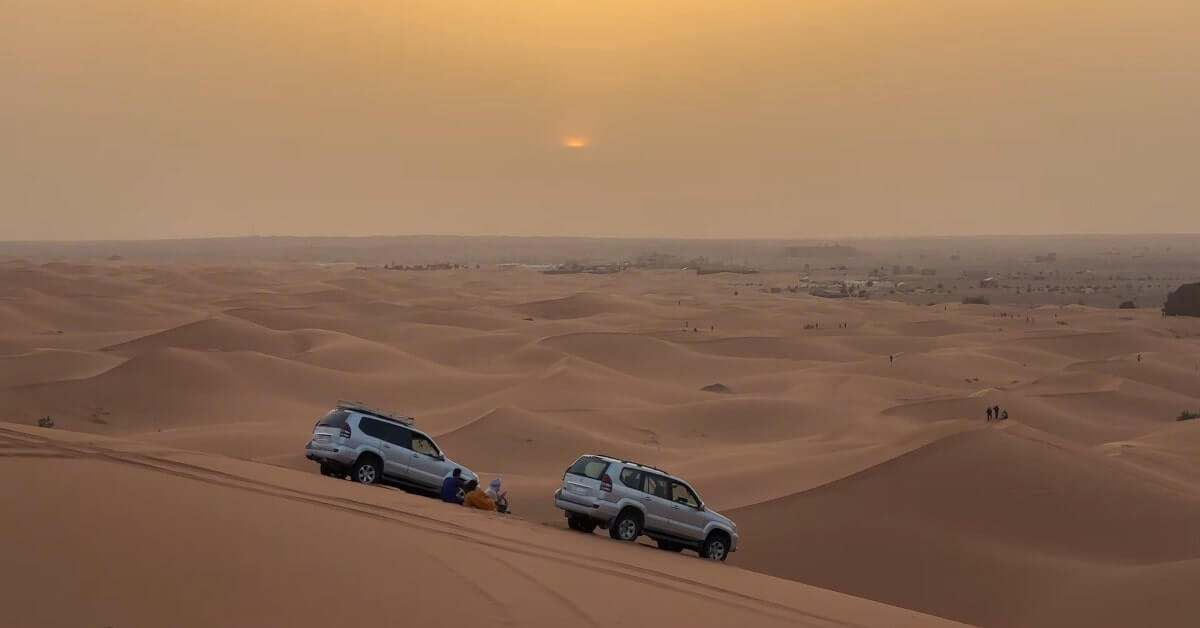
149 118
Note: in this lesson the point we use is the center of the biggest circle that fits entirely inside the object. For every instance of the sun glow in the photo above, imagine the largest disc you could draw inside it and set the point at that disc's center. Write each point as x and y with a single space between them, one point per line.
575 142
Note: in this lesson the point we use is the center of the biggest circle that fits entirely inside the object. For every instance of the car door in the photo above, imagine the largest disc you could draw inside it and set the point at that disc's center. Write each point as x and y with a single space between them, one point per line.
392 442
656 496
426 466
687 519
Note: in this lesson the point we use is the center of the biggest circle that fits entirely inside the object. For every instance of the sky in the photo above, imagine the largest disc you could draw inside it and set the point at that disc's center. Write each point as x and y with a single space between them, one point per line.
129 119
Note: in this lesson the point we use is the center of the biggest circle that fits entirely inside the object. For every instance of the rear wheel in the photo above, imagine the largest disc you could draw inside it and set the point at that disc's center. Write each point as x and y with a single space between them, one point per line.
627 526
581 523
328 471
366 471
716 547
669 546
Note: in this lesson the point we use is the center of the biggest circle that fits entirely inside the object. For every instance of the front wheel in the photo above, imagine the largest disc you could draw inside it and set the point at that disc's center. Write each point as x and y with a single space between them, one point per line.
716 547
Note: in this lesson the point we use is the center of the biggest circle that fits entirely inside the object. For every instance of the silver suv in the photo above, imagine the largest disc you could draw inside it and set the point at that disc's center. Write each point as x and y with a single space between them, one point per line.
630 499
371 445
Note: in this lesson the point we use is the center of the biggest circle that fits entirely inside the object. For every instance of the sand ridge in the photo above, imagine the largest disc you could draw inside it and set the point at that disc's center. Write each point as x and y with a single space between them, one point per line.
186 539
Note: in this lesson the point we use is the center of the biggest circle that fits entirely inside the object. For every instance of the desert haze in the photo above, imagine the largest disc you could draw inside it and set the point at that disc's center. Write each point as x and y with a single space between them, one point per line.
848 440
668 118
791 251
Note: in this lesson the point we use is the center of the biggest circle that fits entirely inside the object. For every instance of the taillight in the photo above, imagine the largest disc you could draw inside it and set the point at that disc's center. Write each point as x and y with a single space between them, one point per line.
606 483
345 433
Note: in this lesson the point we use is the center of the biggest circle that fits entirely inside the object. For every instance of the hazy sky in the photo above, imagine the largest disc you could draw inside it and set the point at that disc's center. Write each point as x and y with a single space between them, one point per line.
788 118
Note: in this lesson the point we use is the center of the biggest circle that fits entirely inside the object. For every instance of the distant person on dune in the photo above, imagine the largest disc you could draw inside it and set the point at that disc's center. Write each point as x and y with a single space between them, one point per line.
1139 358
476 498
989 413
452 488
497 495
996 411
891 358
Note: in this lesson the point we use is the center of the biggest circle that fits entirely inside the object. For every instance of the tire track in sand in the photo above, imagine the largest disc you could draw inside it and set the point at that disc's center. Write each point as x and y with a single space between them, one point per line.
682 585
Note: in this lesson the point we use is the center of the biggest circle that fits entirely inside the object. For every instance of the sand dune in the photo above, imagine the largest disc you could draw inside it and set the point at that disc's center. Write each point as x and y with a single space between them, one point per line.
643 356
52 365
246 545
845 470
581 305
510 438
216 334
1016 519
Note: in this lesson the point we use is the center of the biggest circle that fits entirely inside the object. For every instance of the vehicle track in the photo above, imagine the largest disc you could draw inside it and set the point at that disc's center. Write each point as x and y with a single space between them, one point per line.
682 585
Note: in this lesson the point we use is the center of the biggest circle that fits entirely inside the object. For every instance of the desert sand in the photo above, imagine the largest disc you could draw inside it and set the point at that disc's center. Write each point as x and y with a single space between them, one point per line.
173 489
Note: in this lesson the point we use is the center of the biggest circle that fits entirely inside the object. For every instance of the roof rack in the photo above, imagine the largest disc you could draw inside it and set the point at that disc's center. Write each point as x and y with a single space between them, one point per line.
358 406
640 464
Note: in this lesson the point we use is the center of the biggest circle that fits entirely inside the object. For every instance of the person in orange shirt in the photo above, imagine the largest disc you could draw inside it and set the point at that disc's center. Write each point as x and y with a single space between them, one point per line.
476 498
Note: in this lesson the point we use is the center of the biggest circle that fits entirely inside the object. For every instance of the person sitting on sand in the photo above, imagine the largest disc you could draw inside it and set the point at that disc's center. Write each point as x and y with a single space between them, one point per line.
452 488
476 498
498 496
1004 415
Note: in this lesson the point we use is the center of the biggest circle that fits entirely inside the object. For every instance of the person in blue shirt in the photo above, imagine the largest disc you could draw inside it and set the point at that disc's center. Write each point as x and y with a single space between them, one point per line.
452 486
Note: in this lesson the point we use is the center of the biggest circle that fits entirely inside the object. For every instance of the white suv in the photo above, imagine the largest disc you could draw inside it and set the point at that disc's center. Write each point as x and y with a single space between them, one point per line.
630 499
371 445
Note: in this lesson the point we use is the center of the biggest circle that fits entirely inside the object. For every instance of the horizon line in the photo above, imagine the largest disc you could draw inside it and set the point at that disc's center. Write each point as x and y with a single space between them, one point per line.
821 238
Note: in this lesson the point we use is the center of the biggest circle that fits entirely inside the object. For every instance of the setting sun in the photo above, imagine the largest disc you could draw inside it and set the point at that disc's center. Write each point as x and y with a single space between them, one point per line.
575 142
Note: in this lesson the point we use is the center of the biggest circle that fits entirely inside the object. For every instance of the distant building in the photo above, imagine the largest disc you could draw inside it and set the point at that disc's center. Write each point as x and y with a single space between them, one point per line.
989 282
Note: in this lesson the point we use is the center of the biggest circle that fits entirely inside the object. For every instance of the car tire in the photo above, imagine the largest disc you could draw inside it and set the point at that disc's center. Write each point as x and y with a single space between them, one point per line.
668 546
627 526
328 471
716 547
581 523
367 471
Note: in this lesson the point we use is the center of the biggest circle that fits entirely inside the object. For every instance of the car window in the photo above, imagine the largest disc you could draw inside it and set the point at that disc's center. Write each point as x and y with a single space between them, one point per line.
423 445
373 427
657 486
681 494
384 430
335 418
399 435
587 466
631 478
